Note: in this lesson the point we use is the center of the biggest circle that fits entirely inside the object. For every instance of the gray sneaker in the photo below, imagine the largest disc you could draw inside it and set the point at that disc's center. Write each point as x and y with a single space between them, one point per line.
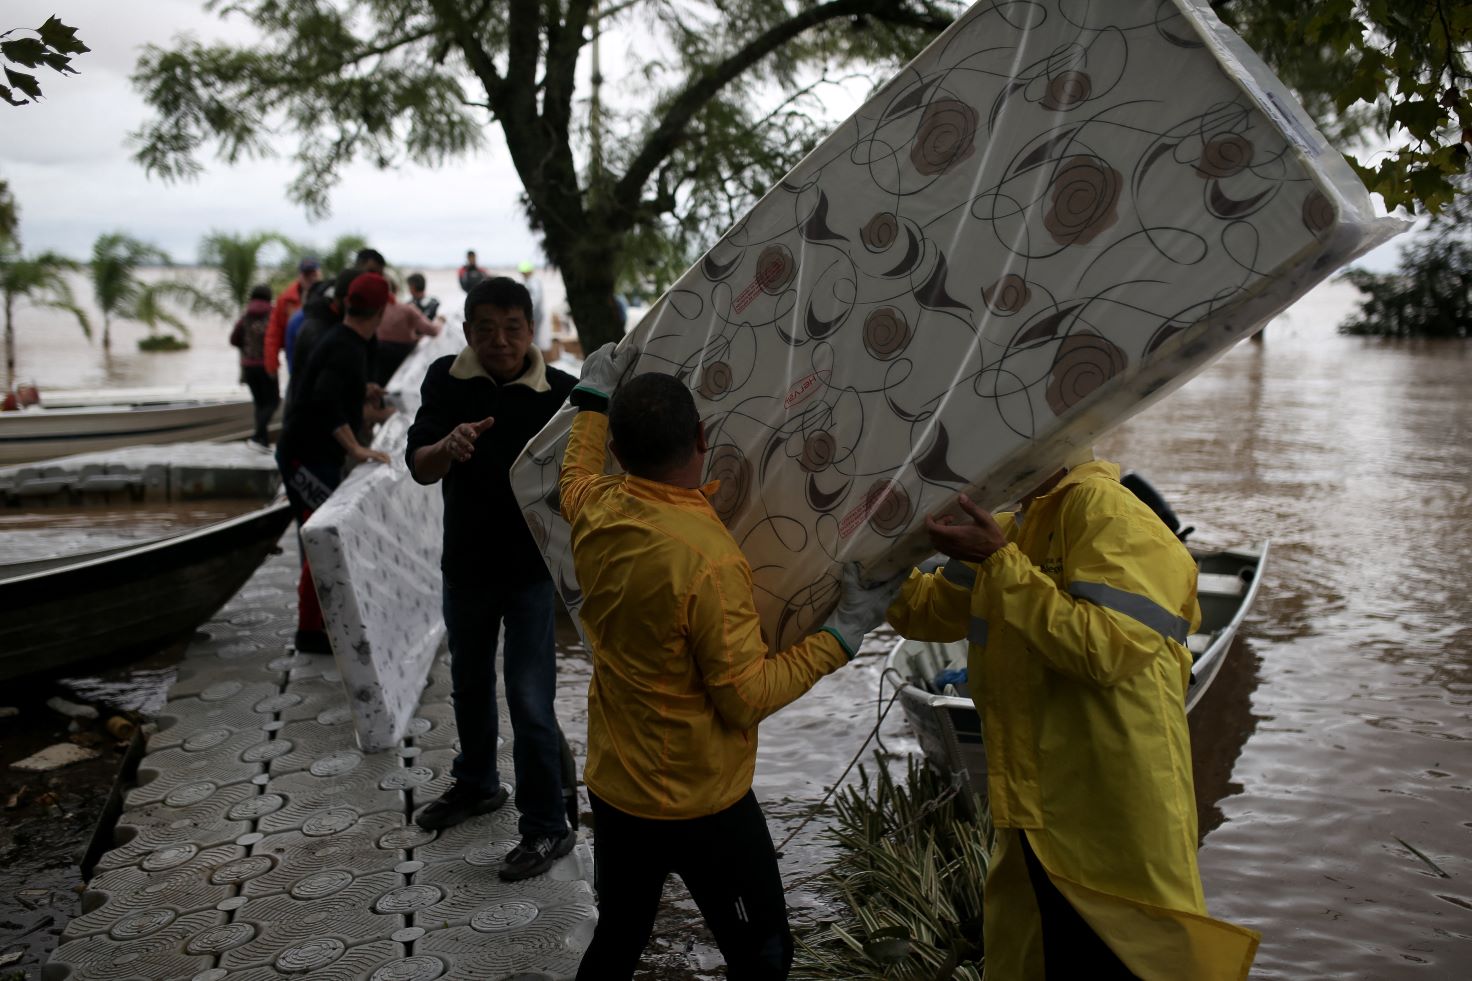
535 855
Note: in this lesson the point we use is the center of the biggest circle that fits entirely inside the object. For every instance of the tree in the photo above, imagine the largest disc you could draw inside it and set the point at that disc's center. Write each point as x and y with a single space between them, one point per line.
237 258
41 280
119 292
9 214
647 187
52 45
1394 69
339 255
1430 295
418 79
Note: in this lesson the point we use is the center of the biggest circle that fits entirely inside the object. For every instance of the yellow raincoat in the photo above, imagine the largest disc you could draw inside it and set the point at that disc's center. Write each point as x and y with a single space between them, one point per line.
1079 668
681 675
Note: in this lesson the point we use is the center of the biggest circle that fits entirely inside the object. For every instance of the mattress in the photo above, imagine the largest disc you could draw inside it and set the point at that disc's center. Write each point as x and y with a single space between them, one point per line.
1057 214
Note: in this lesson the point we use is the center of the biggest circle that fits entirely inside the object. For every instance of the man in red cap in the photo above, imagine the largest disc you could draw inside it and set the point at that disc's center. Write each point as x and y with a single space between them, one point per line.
320 430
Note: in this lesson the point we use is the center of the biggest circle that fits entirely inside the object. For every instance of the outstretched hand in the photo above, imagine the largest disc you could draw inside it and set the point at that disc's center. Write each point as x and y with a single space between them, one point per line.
460 443
972 540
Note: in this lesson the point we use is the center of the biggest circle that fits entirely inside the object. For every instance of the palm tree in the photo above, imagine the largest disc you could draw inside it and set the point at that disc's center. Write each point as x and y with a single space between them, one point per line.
116 258
238 260
41 280
341 253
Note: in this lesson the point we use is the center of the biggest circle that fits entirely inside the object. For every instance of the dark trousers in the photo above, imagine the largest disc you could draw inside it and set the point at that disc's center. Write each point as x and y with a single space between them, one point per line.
265 395
1071 948
473 618
728 864
308 485
387 358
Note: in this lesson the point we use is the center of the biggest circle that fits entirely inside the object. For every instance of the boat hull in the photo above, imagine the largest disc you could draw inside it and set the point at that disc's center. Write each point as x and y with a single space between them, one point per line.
948 726
43 434
134 601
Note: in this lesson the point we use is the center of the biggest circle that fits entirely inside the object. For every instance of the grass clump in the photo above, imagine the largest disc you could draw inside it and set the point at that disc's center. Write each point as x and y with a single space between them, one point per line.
911 873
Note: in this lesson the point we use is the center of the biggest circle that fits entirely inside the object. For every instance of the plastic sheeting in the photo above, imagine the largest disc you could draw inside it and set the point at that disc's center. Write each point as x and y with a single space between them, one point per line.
1058 213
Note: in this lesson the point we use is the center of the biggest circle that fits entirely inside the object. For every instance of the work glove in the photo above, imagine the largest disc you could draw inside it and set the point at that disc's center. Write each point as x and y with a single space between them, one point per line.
861 606
605 368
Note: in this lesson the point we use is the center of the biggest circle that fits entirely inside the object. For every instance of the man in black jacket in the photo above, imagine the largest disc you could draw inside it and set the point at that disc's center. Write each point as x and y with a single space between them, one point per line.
478 410
319 431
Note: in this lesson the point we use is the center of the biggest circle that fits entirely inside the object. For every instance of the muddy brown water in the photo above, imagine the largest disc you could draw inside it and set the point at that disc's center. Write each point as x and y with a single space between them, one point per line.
1334 753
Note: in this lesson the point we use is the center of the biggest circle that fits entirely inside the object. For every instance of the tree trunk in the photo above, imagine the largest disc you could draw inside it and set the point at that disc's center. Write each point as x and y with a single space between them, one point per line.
106 332
9 343
587 267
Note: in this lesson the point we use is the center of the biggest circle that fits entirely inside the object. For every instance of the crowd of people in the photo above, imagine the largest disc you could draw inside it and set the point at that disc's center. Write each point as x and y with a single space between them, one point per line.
1076 606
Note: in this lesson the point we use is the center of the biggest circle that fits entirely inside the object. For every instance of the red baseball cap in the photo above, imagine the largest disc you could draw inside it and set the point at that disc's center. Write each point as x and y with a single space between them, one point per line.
368 293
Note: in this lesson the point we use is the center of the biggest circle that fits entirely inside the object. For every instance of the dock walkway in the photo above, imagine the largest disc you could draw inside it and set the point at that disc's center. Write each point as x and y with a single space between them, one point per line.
260 843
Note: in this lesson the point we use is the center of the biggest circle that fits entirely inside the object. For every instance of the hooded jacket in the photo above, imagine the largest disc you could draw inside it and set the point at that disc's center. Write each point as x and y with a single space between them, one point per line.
287 303
1079 668
249 334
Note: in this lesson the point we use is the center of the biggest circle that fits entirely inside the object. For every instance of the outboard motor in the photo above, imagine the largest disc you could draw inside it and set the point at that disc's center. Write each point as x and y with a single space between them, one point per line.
1153 499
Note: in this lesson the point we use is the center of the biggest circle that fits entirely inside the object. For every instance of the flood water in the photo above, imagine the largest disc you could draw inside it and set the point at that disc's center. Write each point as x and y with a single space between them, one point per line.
1334 753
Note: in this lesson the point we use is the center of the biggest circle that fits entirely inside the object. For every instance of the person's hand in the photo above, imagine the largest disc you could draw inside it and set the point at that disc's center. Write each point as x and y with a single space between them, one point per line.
974 540
605 368
364 455
378 412
460 443
375 392
861 606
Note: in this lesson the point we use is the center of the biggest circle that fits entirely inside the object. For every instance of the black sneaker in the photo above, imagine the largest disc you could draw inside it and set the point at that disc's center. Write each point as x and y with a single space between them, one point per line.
312 642
458 803
535 855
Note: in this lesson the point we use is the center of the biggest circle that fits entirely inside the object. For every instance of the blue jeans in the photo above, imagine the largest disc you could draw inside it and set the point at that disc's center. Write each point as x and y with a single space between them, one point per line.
473 618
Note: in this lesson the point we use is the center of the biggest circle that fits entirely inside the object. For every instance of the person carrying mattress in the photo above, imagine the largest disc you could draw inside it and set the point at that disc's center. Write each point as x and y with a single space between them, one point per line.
1077 607
681 676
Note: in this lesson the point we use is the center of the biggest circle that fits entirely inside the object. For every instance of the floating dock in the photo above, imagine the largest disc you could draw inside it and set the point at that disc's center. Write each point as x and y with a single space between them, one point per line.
259 842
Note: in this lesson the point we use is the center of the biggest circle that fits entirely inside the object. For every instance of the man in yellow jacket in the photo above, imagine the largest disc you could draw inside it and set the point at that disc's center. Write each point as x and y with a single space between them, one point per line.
681 677
1077 608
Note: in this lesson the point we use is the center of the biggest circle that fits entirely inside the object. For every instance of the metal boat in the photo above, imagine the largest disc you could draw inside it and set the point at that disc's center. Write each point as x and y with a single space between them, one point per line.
84 424
126 601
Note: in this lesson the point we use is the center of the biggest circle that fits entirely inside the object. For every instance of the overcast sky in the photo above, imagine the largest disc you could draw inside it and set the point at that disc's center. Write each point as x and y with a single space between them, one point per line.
71 170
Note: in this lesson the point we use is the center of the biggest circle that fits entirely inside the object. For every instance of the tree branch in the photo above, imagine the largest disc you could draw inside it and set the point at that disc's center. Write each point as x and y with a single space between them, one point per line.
666 136
560 78
476 57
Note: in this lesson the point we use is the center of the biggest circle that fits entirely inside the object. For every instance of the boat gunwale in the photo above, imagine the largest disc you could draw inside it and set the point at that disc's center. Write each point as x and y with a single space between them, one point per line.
1214 653
89 561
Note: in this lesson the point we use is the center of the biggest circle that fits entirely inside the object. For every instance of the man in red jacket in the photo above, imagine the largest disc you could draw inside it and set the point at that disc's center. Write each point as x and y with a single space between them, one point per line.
290 300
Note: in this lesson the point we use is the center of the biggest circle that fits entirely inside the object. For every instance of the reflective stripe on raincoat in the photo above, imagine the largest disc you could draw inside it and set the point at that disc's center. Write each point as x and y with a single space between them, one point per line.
1078 664
681 674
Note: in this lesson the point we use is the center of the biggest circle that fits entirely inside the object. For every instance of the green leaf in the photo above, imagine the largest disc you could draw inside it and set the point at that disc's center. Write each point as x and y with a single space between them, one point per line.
24 81
1422 117
60 37
26 51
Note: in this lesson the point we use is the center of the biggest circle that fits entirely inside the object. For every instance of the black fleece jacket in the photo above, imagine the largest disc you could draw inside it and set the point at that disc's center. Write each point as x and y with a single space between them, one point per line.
486 540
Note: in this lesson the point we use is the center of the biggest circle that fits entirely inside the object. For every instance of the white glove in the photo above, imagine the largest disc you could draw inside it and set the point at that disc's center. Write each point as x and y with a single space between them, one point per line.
605 368
861 606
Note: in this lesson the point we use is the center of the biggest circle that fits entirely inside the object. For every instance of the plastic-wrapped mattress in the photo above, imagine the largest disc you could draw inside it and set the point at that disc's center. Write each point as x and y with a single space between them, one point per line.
1058 213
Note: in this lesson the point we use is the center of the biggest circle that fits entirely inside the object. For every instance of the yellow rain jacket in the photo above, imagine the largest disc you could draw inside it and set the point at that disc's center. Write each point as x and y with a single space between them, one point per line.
681 675
1079 669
